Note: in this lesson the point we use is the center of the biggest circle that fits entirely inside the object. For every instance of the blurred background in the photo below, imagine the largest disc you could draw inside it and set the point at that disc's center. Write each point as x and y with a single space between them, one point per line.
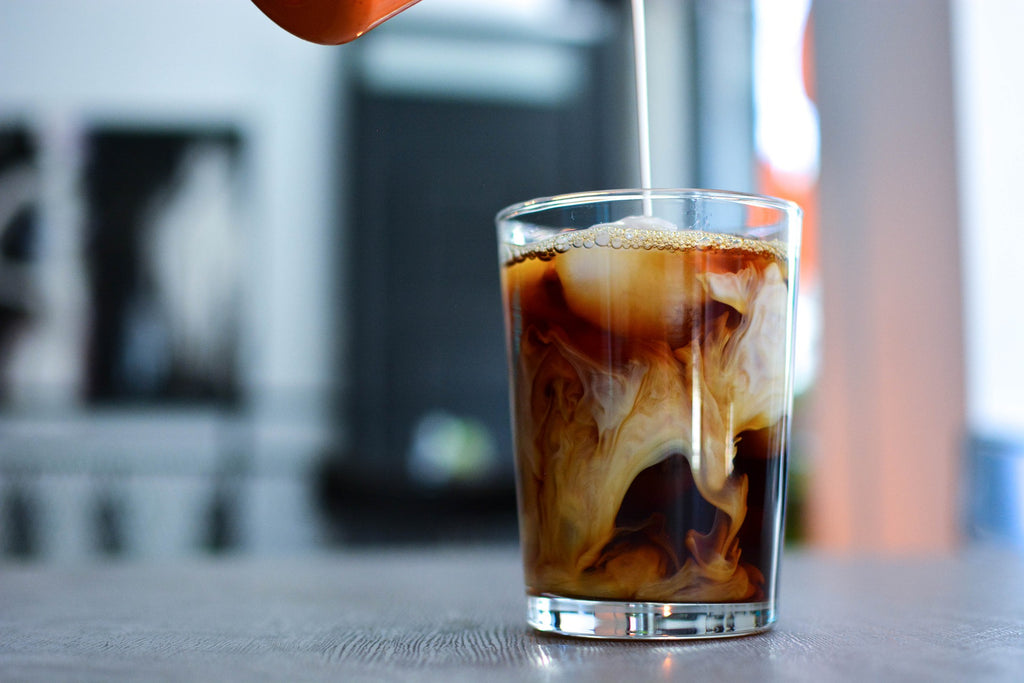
248 285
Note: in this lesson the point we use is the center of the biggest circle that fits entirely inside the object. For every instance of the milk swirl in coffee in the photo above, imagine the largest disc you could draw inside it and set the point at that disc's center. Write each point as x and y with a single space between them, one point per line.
650 413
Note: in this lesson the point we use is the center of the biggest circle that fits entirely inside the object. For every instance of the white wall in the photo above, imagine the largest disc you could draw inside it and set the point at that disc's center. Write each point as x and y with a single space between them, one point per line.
990 111
69 64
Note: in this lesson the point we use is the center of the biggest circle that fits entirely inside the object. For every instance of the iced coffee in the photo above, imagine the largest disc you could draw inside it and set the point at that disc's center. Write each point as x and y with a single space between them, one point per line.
649 366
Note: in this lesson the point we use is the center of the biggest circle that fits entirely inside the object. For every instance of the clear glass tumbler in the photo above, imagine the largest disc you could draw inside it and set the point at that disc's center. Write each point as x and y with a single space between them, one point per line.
650 340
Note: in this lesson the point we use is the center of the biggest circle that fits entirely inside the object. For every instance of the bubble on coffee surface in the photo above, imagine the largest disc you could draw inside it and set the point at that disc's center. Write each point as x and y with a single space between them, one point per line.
639 232
597 418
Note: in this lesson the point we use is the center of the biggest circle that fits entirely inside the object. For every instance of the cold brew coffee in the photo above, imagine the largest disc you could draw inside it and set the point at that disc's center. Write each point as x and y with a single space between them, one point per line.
650 380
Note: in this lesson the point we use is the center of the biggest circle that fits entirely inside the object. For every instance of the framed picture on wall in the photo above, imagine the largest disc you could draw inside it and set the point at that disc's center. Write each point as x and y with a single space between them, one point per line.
163 251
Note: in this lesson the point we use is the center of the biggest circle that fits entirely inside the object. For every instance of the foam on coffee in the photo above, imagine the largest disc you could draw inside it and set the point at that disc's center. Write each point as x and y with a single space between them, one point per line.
640 232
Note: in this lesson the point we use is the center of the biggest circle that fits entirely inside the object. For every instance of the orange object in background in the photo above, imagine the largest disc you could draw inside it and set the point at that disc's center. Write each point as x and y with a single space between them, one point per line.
330 22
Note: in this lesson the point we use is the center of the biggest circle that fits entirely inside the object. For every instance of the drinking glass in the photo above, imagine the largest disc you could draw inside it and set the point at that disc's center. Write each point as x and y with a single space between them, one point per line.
650 344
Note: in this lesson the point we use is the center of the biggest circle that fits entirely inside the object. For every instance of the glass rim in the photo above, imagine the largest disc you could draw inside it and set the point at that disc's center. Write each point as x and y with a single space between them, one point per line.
560 201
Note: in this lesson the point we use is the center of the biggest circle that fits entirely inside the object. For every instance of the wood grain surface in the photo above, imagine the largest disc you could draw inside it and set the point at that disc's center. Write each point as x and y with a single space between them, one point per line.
456 614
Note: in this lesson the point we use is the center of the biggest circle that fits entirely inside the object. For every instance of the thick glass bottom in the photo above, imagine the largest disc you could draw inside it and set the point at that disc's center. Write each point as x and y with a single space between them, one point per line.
646 620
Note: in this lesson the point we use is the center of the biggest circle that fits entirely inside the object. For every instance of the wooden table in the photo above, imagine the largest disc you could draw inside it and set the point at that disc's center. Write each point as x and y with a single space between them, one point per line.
456 614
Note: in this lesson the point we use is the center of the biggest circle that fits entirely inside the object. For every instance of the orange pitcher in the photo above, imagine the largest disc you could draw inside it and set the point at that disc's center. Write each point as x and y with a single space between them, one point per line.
330 22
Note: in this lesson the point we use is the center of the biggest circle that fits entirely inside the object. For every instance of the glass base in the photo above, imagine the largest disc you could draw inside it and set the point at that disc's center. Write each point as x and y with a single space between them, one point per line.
646 620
